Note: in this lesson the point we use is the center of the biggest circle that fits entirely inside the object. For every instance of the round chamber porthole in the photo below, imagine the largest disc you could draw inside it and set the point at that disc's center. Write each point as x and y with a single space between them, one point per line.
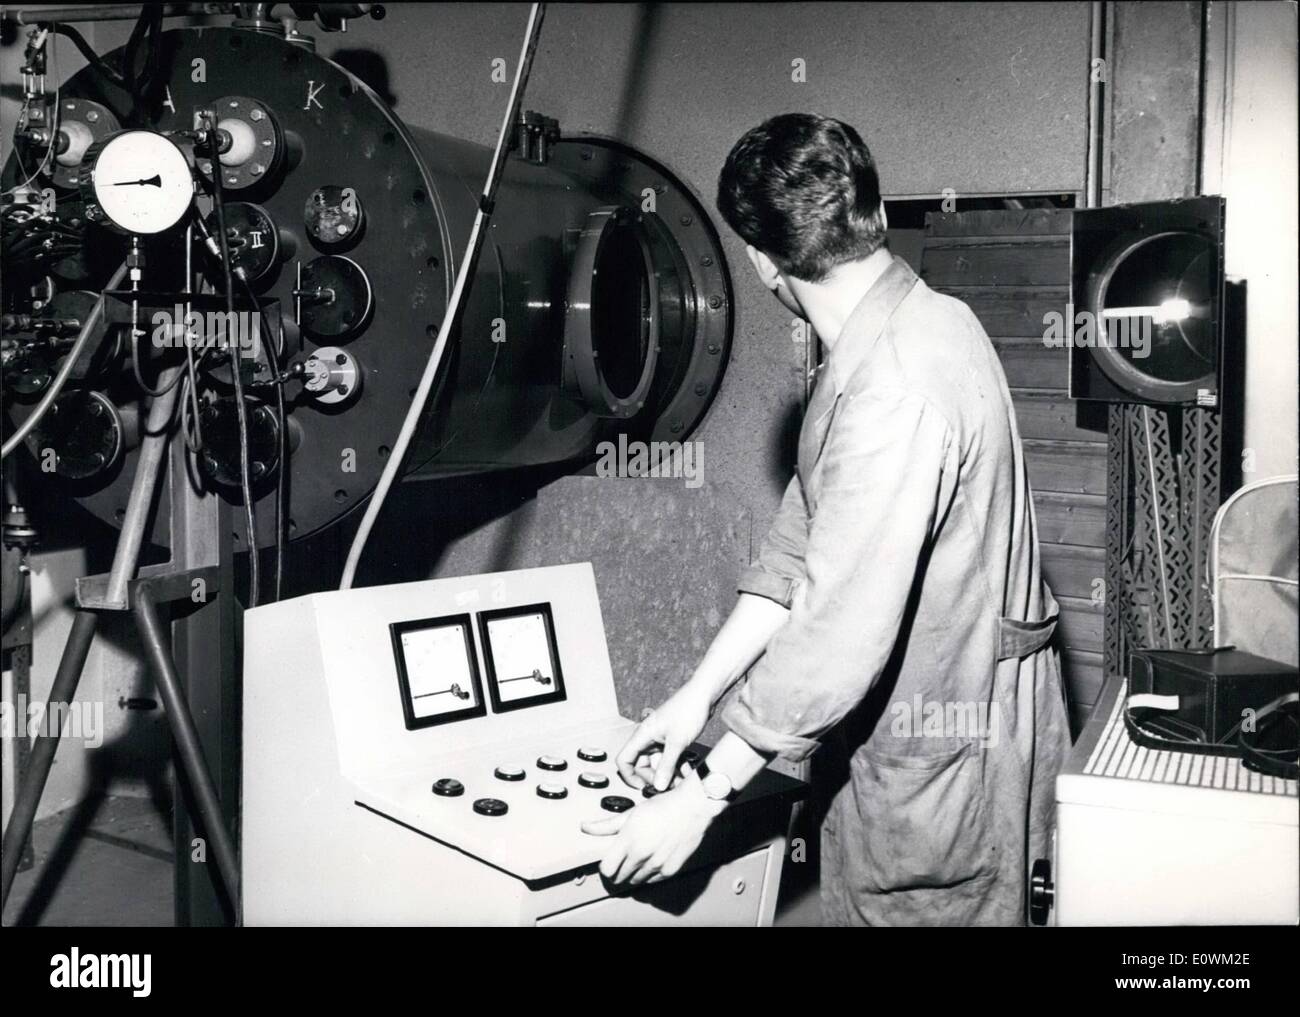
612 319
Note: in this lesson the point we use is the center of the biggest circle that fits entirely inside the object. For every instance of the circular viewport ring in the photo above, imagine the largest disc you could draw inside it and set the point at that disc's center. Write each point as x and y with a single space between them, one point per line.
611 318
1188 305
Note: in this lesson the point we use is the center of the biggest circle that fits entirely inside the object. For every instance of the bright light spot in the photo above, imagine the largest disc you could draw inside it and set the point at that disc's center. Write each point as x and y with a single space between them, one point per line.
1162 314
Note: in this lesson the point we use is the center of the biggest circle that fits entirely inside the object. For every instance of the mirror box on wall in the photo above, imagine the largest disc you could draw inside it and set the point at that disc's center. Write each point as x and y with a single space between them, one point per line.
1152 321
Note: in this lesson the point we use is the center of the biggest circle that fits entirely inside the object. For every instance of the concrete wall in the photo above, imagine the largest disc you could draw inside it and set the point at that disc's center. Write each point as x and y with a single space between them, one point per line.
939 93
977 98
937 90
107 746
1153 80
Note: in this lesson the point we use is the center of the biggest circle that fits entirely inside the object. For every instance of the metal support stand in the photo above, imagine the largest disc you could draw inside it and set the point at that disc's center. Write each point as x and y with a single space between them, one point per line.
199 570
16 650
144 595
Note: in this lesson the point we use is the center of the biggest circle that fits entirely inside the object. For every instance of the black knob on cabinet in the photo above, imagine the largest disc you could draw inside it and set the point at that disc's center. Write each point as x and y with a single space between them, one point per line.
1042 891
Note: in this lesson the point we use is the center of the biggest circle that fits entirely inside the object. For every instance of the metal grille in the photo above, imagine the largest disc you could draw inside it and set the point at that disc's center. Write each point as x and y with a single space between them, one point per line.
1116 755
1118 525
1201 479
1164 484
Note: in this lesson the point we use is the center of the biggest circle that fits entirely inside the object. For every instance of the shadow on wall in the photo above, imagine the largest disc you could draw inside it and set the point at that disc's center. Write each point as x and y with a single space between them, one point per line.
631 99
420 521
370 67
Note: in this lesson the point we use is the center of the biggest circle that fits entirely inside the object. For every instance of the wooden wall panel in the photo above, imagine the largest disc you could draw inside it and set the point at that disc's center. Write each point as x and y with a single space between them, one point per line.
1049 416
1073 571
1071 519
1031 365
1012 268
986 262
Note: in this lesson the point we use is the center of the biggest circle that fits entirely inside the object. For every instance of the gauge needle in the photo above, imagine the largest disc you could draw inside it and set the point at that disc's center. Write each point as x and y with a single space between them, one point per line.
155 181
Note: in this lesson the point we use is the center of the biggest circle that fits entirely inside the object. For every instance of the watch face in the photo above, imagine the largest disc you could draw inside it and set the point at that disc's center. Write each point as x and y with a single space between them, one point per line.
142 182
717 786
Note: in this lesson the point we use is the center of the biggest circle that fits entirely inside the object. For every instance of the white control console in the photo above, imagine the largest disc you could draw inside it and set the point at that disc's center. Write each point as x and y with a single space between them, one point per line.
426 754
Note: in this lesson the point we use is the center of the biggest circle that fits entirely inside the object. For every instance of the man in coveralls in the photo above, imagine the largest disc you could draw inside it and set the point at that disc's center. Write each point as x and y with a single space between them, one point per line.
902 570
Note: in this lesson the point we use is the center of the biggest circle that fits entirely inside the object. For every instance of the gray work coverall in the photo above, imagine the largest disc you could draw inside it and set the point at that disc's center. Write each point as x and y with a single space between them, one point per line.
907 551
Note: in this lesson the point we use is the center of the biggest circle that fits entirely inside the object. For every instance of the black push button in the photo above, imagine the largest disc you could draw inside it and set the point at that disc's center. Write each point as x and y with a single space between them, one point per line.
616 803
448 787
491 807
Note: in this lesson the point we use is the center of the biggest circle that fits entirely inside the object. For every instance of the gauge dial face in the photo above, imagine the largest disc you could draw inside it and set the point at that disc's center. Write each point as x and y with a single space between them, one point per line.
142 182
522 663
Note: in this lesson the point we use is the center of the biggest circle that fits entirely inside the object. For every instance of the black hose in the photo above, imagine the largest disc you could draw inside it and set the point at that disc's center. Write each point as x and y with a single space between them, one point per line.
86 50
241 412
139 374
282 453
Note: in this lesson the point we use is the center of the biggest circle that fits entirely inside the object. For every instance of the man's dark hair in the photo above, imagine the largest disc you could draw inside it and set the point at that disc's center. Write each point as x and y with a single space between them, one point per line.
803 190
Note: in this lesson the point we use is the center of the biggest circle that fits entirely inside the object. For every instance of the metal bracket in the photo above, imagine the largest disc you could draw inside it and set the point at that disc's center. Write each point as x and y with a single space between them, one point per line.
533 137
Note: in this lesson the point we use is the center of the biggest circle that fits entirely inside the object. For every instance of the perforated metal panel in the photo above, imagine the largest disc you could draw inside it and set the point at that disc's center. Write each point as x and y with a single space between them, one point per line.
1116 755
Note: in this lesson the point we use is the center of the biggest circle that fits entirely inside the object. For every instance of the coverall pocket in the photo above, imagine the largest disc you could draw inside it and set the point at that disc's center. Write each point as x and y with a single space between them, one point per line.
923 820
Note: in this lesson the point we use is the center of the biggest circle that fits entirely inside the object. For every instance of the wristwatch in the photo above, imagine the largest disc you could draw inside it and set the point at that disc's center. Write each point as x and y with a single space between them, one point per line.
717 786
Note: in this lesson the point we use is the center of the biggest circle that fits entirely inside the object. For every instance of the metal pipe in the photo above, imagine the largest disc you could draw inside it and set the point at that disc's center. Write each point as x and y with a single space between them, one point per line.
1096 82
153 448
13 584
69 362
42 758
105 12
454 303
188 746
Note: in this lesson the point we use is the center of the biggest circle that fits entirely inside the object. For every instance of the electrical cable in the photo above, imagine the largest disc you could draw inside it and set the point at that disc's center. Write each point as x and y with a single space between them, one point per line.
129 79
139 374
413 415
241 412
86 50
282 477
192 387
60 379
282 450
142 84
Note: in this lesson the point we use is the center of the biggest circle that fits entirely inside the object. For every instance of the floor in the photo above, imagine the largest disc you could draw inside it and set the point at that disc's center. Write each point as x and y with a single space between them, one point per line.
105 862
109 862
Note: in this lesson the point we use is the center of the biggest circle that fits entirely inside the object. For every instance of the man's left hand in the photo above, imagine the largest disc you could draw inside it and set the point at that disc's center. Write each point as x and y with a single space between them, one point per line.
653 840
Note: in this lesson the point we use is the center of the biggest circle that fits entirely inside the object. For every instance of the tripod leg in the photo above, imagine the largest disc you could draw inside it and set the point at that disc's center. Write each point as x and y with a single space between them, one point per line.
188 745
29 793
152 450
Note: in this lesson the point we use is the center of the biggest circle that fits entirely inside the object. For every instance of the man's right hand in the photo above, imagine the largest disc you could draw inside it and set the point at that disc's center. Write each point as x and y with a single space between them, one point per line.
667 732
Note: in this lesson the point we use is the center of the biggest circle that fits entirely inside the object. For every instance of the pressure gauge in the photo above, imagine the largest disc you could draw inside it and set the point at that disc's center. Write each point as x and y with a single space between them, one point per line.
139 182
